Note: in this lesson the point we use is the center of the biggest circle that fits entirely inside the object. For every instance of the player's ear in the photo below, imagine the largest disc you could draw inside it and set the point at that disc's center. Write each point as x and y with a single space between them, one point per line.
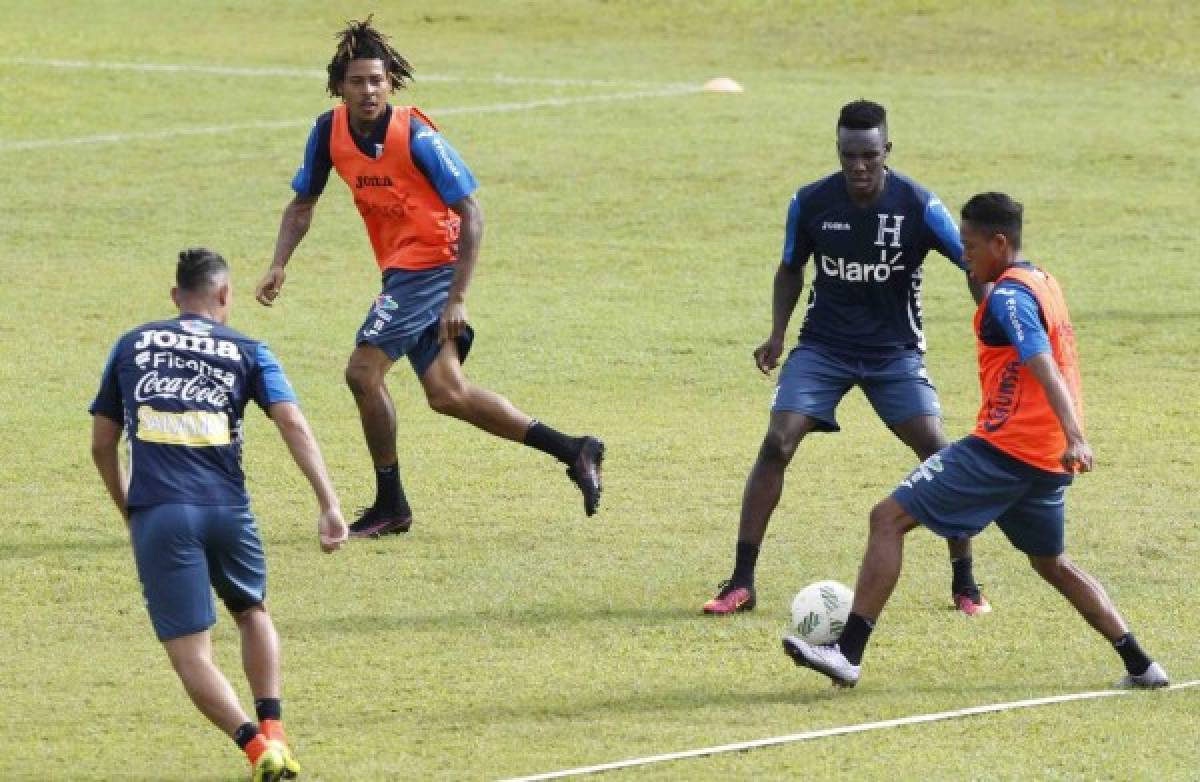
175 295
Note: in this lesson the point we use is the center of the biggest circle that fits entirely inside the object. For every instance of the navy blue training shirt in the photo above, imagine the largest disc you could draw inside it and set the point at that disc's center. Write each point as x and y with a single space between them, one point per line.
179 388
865 296
431 154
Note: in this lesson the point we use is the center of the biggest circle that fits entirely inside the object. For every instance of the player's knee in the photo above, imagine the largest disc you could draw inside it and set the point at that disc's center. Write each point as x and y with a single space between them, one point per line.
778 448
927 448
245 611
1053 569
188 652
360 379
447 400
924 435
886 519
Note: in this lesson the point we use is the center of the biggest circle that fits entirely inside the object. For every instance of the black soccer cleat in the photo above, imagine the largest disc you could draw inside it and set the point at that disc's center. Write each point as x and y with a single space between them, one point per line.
373 523
587 474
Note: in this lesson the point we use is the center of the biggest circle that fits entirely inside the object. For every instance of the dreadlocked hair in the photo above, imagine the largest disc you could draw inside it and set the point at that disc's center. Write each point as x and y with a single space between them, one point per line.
361 41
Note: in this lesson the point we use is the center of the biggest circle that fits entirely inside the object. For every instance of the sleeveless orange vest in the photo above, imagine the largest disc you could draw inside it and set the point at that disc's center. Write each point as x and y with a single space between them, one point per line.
1015 415
409 226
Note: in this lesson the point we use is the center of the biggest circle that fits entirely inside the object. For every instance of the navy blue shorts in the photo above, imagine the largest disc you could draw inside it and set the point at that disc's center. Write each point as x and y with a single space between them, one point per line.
181 550
813 382
962 488
403 320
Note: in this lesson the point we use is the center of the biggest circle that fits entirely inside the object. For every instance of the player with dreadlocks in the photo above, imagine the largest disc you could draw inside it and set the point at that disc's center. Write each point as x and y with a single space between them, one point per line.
416 198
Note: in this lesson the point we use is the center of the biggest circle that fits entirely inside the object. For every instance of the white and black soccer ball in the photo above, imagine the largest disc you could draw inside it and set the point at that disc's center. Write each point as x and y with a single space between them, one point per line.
820 610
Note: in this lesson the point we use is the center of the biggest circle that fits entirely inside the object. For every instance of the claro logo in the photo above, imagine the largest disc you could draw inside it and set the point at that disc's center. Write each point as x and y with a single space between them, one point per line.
853 271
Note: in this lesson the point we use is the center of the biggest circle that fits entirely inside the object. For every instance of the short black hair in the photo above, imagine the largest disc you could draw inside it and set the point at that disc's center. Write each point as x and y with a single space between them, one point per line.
361 41
862 114
199 269
997 213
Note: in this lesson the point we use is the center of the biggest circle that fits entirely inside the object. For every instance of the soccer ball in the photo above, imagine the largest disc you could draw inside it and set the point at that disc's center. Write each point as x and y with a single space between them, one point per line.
820 610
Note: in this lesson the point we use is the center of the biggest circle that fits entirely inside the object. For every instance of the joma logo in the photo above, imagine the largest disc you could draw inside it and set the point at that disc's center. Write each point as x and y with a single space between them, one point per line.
372 181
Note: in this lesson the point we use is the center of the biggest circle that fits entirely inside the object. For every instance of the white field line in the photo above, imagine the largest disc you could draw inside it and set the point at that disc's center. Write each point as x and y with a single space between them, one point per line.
313 73
489 108
116 138
838 731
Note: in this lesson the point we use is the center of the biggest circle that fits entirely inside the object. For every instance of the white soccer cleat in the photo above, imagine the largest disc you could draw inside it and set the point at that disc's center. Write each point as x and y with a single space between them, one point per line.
1154 677
825 658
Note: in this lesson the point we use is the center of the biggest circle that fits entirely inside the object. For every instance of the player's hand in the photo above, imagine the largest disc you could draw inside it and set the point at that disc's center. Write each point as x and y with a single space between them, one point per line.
270 285
766 355
454 321
332 530
1077 457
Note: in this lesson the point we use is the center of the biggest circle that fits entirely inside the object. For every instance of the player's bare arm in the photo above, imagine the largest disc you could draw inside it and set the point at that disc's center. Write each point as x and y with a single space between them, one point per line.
297 217
106 434
293 427
786 292
1078 456
454 317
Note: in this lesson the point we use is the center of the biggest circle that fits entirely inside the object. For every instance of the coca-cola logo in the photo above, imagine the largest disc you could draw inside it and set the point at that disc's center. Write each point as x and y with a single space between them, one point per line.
196 389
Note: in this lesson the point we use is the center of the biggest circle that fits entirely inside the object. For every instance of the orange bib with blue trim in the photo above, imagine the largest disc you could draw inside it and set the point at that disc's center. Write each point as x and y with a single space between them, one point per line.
409 226
1015 415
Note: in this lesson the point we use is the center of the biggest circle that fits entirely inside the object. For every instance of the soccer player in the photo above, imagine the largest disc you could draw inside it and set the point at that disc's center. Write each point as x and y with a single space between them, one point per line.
179 388
416 197
868 229
1015 466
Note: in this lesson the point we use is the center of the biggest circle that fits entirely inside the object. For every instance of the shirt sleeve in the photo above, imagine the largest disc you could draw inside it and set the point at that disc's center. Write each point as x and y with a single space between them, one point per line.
313 175
108 401
270 385
796 244
440 163
943 233
1015 308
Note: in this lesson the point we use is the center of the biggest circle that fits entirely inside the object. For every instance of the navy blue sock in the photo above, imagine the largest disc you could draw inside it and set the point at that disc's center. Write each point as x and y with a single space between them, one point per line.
853 639
963 578
744 564
245 734
269 709
1136 661
389 493
553 442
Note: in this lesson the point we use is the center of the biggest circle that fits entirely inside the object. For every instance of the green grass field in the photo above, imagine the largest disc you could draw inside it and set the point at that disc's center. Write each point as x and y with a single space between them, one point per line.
624 280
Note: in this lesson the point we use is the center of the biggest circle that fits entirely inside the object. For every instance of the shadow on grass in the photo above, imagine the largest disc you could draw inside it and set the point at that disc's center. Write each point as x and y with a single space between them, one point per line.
649 701
31 550
527 616
875 703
